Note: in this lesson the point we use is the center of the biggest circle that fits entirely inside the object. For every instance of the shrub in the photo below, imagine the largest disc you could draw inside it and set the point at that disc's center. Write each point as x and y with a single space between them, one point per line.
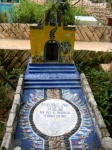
72 12
101 85
31 12
28 12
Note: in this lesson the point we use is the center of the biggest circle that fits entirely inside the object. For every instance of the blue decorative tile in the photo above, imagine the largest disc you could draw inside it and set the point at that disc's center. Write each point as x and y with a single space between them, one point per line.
84 138
24 131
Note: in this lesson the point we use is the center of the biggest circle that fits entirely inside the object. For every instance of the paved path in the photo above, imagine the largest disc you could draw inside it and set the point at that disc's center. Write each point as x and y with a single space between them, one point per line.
25 45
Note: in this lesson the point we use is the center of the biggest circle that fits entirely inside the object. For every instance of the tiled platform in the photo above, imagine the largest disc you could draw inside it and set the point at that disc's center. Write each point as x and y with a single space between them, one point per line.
83 136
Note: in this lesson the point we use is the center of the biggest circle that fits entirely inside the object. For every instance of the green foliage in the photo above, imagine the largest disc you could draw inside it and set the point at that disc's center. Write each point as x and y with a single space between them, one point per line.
6 96
28 12
64 6
31 12
15 73
110 3
101 85
3 148
71 13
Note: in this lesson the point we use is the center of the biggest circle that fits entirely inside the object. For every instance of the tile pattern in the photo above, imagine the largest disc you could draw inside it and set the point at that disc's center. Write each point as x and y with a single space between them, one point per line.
24 132
50 76
54 143
86 138
53 94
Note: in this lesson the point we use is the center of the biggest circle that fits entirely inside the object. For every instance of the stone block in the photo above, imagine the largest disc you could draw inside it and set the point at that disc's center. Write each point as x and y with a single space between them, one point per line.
9 129
98 33
19 90
99 118
107 143
12 64
77 38
79 33
25 64
15 108
6 140
91 102
17 99
92 38
1 29
17 65
85 82
89 31
91 99
84 33
20 81
82 76
25 57
105 132
11 119
21 75
99 131
26 35
87 89
91 112
96 37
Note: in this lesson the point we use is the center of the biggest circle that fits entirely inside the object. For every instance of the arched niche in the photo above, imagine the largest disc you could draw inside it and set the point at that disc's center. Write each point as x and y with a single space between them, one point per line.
52 52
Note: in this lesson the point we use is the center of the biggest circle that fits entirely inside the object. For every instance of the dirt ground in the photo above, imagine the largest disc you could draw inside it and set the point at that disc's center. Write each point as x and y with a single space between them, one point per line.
25 45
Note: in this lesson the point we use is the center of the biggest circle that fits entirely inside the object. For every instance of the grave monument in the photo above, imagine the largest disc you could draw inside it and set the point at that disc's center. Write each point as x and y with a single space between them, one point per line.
54 114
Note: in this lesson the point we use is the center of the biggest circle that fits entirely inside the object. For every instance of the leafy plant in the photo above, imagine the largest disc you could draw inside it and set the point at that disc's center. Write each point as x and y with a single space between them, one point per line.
69 16
15 73
110 3
101 85
28 12
6 96
31 12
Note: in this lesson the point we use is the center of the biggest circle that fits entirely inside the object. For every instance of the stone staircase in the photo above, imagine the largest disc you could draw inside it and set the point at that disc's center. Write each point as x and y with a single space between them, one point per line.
42 76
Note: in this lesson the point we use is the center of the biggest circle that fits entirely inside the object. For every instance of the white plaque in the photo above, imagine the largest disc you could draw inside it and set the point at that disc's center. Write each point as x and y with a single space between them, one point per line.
54 117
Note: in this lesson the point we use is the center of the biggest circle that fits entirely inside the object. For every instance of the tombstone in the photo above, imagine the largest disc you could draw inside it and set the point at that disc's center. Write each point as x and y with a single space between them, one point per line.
55 113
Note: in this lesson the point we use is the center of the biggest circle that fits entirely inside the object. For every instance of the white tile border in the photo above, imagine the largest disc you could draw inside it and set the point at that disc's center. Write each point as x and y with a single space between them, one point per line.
12 120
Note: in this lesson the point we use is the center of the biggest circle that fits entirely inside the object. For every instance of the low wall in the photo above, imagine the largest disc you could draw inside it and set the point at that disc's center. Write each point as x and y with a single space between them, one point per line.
14 58
19 58
83 33
99 10
104 135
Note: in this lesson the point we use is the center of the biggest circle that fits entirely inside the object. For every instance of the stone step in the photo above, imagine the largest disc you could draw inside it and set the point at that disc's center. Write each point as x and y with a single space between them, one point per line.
52 87
49 64
52 80
52 83
51 67
51 71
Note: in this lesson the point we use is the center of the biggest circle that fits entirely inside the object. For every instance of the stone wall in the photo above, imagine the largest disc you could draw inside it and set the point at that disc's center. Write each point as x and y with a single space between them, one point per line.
99 10
19 58
83 33
13 114
14 31
14 58
99 13
93 33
